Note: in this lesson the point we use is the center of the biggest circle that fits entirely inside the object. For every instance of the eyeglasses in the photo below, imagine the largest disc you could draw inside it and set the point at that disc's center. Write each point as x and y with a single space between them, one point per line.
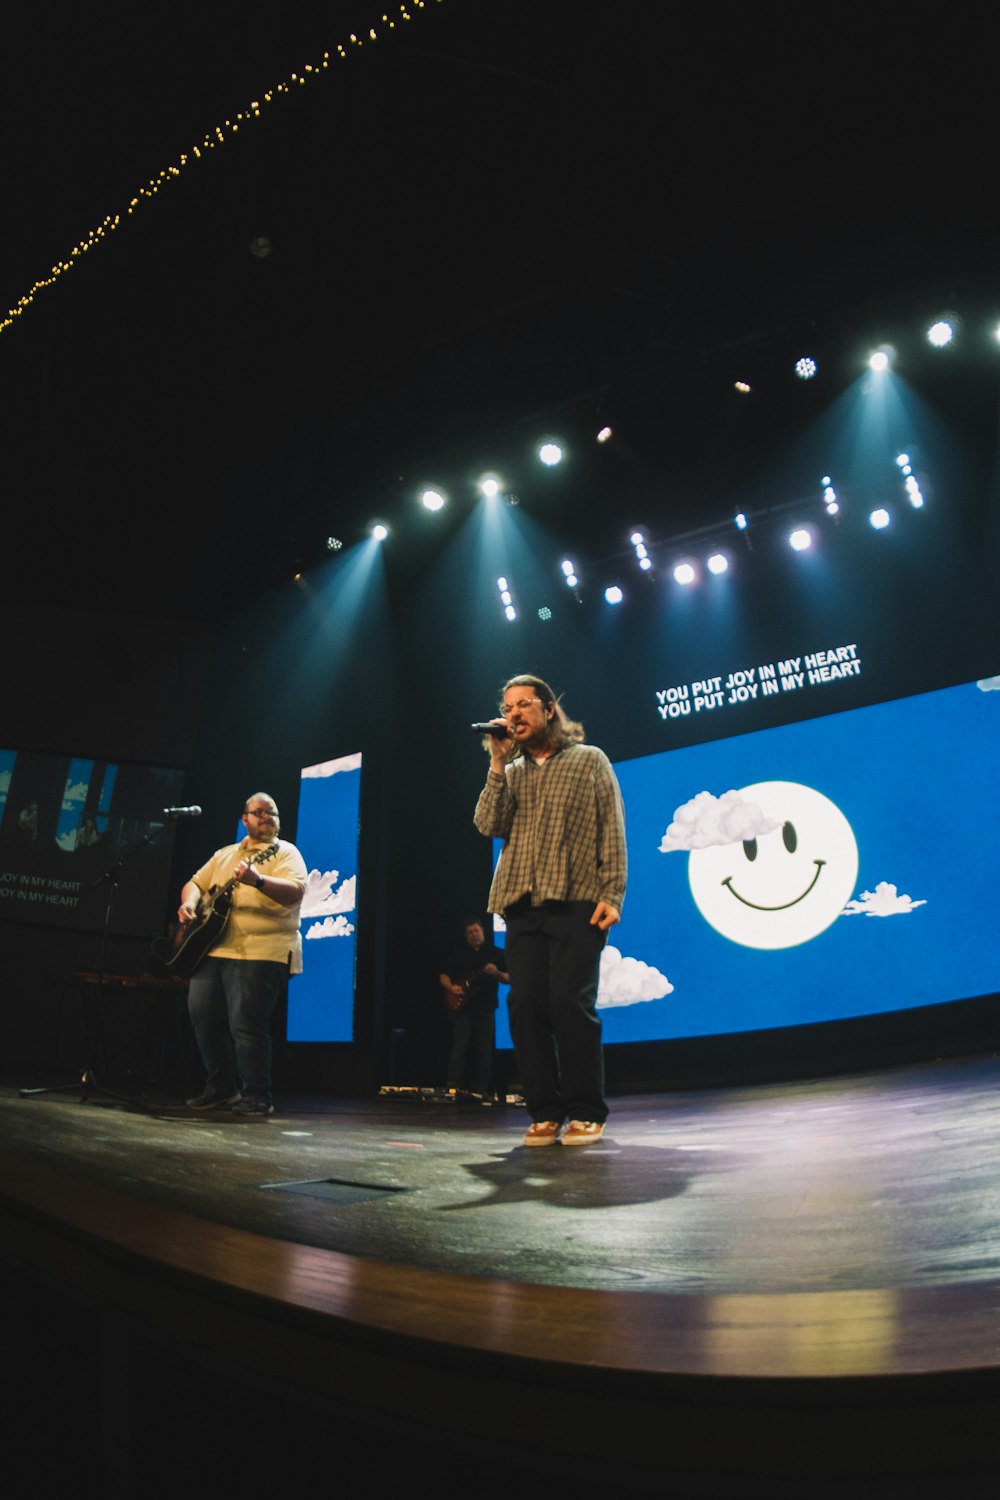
261 812
522 703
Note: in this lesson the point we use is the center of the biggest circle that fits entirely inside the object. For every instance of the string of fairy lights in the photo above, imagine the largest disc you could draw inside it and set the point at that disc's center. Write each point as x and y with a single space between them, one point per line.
211 141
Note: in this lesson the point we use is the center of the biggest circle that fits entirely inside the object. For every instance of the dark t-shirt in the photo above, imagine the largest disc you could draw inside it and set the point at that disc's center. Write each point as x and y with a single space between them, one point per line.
466 965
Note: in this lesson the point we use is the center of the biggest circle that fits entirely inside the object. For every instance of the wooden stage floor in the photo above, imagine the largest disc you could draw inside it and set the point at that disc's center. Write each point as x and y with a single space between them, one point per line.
832 1234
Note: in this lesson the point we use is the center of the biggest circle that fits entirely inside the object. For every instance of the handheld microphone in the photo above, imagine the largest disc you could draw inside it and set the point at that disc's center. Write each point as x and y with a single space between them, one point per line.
173 813
499 731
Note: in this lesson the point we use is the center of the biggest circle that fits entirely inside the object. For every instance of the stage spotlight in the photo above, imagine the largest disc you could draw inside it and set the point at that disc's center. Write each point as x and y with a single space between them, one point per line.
903 460
490 486
742 387
569 572
913 493
613 594
380 532
432 499
740 521
718 563
805 368
684 574
880 361
879 519
333 544
941 333
605 432
800 540
550 454
506 599
641 552
830 497
545 613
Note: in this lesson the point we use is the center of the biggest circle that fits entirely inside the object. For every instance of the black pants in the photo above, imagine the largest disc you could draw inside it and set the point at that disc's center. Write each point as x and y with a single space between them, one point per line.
553 958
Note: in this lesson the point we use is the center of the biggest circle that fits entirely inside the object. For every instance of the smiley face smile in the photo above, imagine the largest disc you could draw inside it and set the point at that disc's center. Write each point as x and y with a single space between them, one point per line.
728 883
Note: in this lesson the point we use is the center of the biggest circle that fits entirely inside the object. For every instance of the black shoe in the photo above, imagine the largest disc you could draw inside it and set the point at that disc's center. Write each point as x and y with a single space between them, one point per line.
253 1109
214 1101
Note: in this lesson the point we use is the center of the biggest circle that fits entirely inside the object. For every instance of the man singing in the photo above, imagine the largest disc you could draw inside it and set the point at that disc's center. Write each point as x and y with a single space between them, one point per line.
234 990
559 885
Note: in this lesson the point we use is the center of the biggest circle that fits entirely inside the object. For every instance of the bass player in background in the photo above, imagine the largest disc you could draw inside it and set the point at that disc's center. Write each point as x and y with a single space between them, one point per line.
470 993
234 990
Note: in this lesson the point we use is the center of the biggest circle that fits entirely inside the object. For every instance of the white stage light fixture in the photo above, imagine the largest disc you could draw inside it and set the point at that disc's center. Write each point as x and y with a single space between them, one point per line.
718 563
684 574
941 333
879 361
550 453
506 600
490 486
380 532
800 540
432 499
613 594
805 368
879 519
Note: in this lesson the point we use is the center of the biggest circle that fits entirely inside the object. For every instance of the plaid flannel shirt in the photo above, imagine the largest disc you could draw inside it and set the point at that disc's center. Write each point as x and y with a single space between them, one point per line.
563 826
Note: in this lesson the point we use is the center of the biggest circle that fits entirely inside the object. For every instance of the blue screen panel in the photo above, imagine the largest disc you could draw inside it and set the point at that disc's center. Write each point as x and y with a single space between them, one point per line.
835 868
321 999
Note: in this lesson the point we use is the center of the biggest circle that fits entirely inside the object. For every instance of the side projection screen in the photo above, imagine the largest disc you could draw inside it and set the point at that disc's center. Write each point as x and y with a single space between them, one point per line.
840 867
321 998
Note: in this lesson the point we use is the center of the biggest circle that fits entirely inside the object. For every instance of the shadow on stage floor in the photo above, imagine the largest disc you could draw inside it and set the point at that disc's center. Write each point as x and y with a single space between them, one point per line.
822 1252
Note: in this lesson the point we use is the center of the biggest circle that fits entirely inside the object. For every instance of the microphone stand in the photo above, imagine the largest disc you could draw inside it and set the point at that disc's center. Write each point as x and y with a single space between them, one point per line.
93 1019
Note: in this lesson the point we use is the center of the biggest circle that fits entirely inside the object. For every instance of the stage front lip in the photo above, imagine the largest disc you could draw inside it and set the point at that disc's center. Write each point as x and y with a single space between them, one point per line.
825 1335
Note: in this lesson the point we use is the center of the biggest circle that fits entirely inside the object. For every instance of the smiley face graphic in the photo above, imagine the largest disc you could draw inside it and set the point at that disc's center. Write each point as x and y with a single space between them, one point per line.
781 888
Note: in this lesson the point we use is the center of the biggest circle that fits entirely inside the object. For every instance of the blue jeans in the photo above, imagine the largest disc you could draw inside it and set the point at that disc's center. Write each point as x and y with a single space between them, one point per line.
554 959
233 999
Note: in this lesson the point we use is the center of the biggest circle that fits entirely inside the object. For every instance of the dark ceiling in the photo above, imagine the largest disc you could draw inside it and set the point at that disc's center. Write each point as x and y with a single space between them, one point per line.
500 219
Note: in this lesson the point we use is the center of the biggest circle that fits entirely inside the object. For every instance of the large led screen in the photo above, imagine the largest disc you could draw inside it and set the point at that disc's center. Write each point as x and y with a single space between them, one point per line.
70 823
838 867
321 998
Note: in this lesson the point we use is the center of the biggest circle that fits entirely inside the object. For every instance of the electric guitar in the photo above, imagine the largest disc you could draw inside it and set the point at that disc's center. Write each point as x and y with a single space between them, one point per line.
456 1003
192 940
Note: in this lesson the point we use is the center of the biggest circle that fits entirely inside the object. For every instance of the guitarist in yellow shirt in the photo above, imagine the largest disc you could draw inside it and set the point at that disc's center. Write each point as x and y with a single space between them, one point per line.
255 945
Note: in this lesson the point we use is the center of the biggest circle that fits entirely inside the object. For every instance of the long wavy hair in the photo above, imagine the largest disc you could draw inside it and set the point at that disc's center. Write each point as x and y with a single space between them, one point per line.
562 730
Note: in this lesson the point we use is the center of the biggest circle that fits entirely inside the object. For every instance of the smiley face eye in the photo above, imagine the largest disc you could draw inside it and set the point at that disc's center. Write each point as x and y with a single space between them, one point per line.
750 849
789 837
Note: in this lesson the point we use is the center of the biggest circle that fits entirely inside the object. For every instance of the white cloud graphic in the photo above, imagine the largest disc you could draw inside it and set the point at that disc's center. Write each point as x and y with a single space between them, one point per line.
628 981
707 821
320 899
331 767
73 794
989 684
332 927
883 901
